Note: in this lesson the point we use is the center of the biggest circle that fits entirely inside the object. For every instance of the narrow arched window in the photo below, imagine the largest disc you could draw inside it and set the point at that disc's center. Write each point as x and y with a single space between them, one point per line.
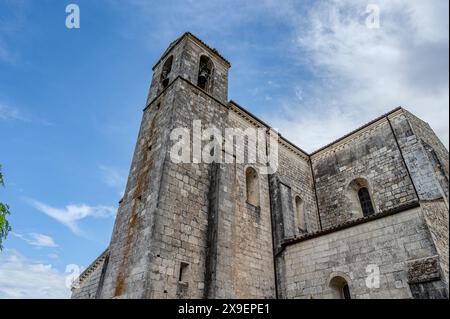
252 184
205 73
360 196
340 288
300 214
365 201
167 68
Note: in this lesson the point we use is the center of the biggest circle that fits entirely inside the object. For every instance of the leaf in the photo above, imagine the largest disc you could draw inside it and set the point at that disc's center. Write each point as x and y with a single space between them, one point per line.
1 177
5 227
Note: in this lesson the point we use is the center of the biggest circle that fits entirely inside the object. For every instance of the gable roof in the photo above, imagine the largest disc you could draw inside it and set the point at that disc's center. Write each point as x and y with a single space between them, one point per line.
189 34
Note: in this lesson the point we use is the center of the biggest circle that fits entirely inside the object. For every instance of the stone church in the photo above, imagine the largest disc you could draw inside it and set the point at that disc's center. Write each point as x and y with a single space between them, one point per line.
365 216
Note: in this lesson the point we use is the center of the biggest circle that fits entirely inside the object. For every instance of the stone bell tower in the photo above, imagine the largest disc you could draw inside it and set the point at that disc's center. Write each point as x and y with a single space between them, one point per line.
191 59
159 244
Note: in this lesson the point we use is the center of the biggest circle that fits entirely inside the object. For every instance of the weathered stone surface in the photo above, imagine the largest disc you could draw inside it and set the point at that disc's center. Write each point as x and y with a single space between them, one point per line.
424 279
372 155
436 217
388 243
423 270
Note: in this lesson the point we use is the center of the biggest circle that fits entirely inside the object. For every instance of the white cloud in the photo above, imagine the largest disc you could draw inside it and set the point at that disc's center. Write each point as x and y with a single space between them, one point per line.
72 214
38 240
10 113
361 73
354 73
23 278
113 177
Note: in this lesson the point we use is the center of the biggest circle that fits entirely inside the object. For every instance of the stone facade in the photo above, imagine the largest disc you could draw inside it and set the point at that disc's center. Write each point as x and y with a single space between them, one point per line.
388 243
372 155
363 217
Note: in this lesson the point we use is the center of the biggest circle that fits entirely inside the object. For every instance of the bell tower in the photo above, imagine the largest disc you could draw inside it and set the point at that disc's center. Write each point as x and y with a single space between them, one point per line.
158 248
190 58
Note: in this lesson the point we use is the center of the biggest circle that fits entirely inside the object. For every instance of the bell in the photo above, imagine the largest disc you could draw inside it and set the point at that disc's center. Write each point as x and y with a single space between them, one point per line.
203 76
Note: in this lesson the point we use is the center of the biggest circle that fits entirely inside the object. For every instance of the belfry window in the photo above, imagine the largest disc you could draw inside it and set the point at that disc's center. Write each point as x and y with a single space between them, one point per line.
366 201
252 184
205 73
167 68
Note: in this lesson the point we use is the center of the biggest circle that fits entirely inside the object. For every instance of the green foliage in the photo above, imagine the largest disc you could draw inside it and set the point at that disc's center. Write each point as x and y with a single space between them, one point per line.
5 228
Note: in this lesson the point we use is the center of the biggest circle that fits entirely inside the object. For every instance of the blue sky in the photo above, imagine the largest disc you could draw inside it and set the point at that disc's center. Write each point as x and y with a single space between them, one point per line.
71 100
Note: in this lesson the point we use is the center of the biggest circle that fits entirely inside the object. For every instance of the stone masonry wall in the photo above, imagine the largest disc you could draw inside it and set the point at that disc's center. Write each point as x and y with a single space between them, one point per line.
155 86
424 278
181 219
246 231
243 264
294 171
372 155
191 58
416 159
87 285
388 242
130 252
435 150
293 178
436 216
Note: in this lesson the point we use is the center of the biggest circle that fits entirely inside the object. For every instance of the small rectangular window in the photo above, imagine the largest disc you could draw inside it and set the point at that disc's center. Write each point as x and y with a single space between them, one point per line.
184 267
